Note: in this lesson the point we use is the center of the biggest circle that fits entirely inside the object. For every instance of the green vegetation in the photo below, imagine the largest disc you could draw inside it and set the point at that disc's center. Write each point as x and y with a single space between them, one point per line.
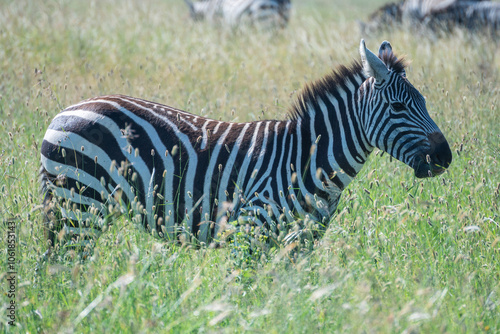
402 254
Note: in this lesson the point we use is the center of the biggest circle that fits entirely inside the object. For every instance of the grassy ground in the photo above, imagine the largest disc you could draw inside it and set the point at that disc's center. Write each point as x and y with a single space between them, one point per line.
401 255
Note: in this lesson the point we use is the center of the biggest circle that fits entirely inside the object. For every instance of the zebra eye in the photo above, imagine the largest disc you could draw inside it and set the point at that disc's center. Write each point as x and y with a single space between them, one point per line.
398 107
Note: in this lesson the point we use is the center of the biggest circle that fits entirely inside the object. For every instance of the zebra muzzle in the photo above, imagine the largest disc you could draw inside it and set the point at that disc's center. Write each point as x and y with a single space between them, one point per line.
436 159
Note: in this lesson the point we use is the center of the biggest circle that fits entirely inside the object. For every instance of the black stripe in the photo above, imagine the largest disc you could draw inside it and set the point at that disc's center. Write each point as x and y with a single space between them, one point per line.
337 139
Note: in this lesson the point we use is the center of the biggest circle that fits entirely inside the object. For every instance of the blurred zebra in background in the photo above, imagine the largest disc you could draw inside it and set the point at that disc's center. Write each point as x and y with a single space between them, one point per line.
264 13
437 15
183 174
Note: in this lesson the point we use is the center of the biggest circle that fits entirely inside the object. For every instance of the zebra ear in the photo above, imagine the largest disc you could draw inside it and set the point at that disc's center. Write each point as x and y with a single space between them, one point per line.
385 47
373 66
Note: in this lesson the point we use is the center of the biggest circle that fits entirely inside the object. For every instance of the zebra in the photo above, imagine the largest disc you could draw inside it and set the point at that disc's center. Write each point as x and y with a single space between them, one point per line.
184 174
266 13
469 14
383 17
437 15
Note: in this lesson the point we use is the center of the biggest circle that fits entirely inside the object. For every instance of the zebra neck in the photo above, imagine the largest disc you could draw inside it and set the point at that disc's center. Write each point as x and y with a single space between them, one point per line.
338 145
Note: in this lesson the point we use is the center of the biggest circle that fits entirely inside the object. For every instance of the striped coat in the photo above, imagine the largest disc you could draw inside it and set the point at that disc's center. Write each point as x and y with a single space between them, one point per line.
181 173
190 170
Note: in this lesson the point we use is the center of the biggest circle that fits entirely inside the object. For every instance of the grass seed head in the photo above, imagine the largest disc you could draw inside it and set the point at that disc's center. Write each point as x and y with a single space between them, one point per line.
175 148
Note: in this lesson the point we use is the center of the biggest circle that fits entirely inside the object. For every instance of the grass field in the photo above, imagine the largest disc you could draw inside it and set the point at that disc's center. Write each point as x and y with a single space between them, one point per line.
402 254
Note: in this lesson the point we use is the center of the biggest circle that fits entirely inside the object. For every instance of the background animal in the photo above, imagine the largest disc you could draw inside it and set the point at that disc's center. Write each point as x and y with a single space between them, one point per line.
437 15
263 13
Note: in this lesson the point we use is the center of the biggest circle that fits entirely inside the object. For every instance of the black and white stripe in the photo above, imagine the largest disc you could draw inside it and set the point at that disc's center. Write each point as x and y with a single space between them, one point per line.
266 13
182 172
437 15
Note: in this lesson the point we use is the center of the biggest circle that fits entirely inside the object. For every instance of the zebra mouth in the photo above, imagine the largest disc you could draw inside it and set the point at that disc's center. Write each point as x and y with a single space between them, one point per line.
423 169
435 160
436 170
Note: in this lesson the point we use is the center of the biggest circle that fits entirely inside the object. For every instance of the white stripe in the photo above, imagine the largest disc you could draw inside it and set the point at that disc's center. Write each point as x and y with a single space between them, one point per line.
246 162
263 212
267 173
298 164
355 164
344 178
207 200
193 127
81 231
270 200
205 135
280 187
228 170
262 153
312 130
75 197
356 104
56 168
291 192
217 127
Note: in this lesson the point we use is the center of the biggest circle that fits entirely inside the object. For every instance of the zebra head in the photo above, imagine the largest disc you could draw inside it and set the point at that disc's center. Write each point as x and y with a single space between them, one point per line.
396 119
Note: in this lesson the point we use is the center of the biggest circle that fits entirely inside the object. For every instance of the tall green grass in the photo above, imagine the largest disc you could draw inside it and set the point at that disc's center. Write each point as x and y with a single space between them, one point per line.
402 254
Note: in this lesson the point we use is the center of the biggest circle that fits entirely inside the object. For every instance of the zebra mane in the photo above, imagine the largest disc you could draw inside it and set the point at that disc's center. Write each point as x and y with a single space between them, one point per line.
337 78
328 83
394 63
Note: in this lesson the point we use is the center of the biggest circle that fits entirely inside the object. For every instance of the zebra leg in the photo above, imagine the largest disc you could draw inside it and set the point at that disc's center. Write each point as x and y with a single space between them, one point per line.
51 225
62 225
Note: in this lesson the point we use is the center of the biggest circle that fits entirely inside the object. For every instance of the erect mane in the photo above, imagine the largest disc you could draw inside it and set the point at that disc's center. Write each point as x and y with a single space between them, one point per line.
328 83
393 63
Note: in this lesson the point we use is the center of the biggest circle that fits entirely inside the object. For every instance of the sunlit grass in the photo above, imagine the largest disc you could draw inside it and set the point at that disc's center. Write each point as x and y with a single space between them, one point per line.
401 254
